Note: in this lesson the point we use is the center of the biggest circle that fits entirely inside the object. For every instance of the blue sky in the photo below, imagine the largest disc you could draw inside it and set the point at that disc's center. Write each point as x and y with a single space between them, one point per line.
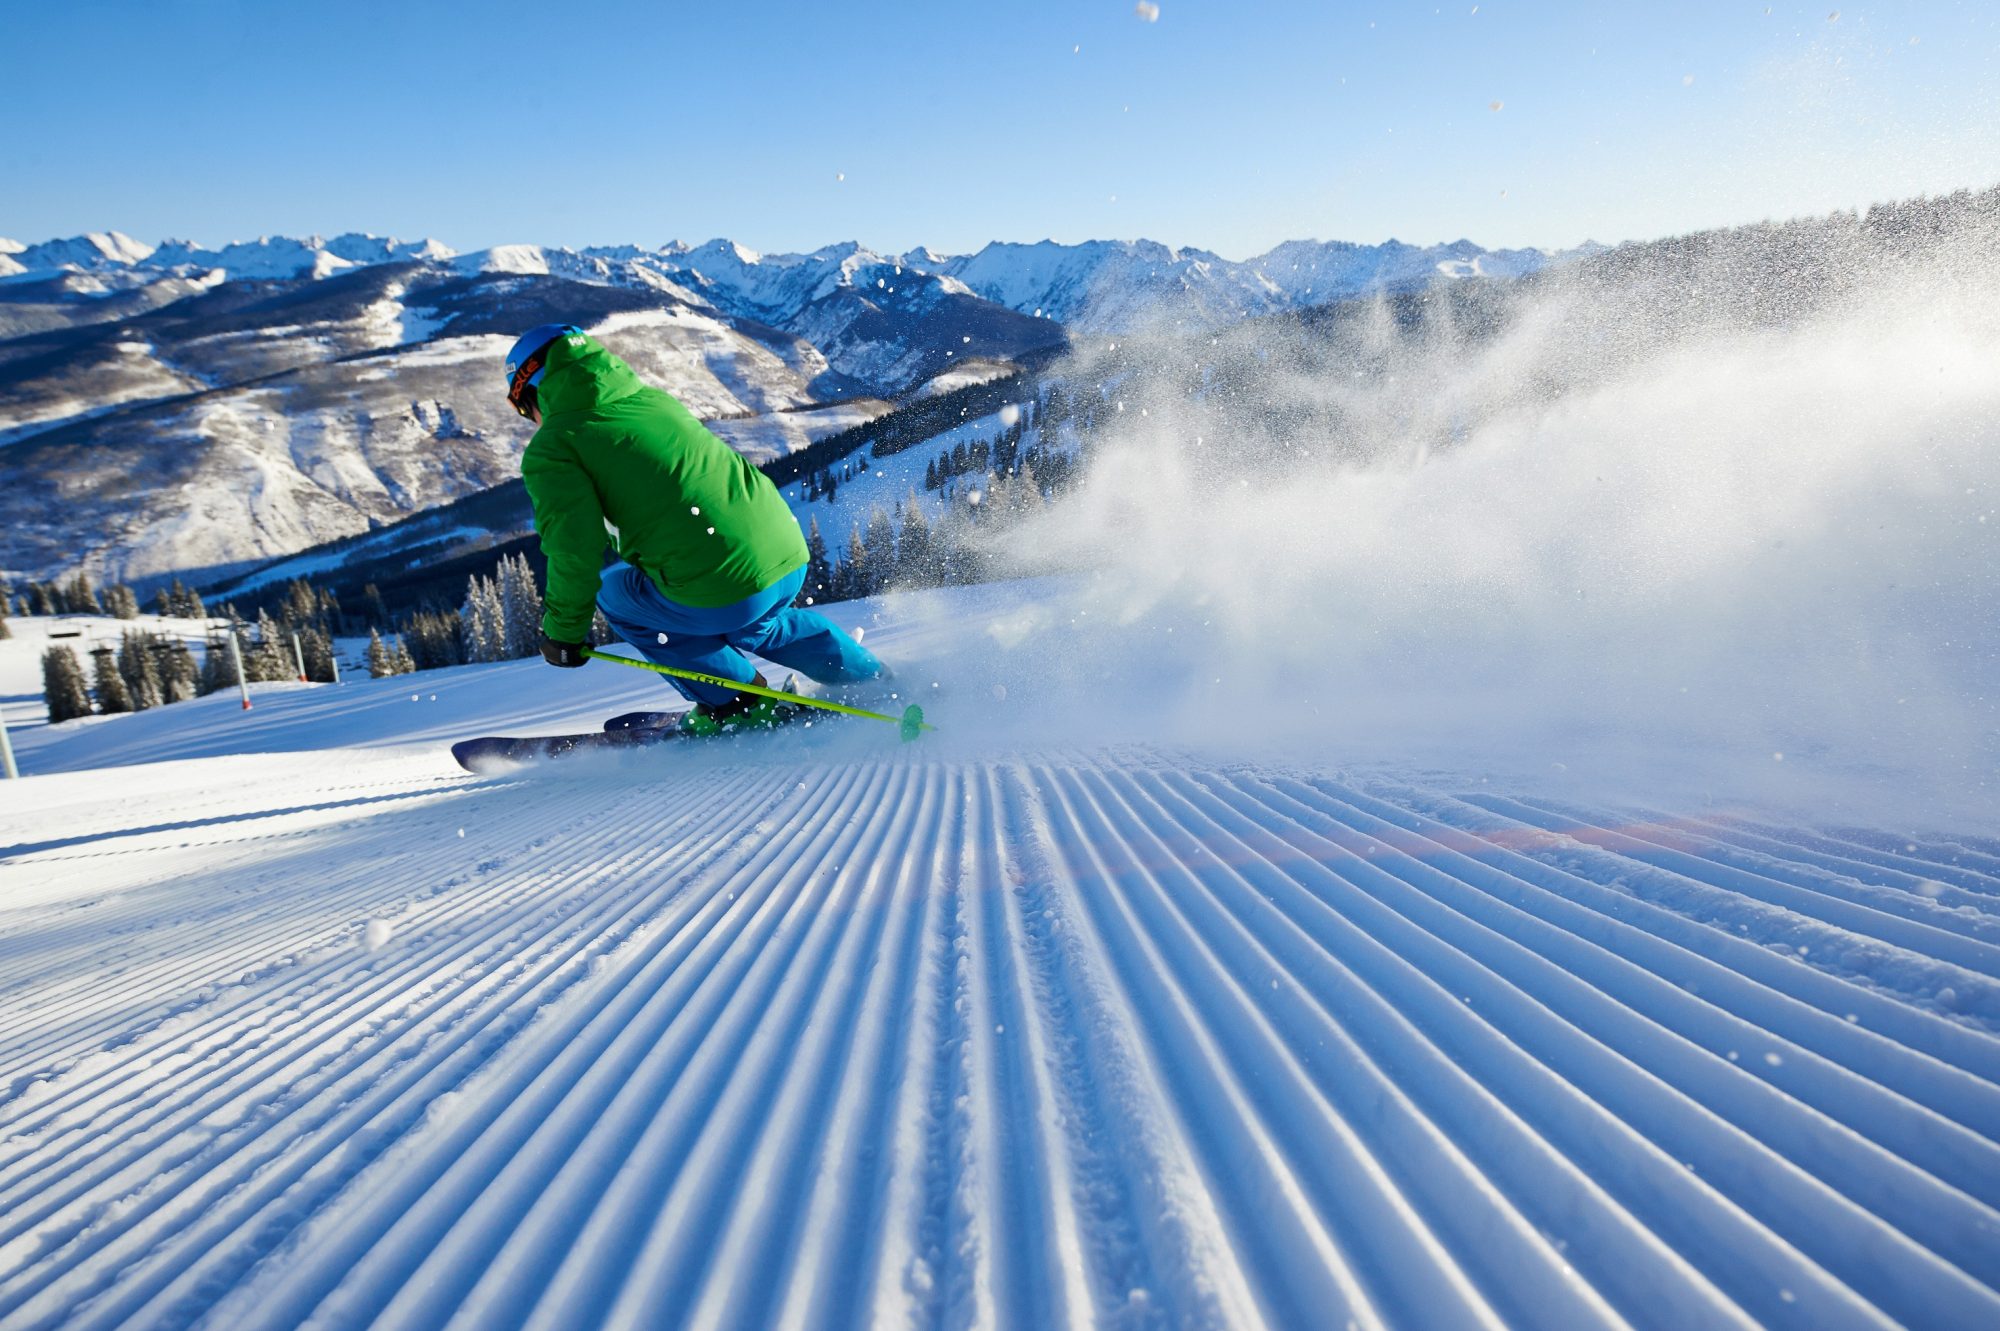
1224 125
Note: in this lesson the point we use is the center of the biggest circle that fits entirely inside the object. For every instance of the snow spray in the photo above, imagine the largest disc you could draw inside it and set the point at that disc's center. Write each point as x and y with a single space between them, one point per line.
1706 517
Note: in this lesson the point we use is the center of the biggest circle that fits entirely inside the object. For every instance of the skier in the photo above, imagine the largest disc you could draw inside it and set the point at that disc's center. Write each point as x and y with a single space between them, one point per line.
712 556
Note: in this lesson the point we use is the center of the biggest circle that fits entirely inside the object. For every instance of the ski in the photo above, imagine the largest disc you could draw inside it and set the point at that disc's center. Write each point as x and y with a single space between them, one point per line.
491 754
644 721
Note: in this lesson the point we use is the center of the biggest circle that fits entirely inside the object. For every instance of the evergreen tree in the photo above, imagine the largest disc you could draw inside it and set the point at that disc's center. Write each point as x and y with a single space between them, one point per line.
120 602
5 632
192 606
218 664
521 608
819 574
179 677
434 640
913 546
951 558
139 668
931 475
482 622
163 603
372 608
270 658
44 595
379 664
81 598
419 632
318 645
301 605
112 695
63 686
402 660
850 580
880 544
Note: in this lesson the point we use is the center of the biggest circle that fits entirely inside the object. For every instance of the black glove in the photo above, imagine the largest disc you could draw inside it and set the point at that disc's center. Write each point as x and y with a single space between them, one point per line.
568 655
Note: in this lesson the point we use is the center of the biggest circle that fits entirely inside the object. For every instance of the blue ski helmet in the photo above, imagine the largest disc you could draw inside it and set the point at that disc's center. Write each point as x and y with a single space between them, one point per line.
528 359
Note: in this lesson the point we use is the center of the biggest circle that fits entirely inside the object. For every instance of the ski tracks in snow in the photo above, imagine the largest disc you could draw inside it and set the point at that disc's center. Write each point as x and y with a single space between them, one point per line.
1120 1039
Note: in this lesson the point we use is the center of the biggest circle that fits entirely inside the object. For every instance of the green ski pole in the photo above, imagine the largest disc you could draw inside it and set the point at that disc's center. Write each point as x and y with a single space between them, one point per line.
911 723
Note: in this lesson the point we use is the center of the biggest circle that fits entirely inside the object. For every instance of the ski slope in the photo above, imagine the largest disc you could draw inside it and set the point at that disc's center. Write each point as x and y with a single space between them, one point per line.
300 1026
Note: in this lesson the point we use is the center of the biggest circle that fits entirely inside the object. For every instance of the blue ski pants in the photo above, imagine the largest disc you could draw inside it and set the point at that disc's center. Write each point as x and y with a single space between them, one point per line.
713 640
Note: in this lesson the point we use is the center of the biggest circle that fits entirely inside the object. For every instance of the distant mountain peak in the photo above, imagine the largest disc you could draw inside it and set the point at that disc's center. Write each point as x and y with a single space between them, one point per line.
86 253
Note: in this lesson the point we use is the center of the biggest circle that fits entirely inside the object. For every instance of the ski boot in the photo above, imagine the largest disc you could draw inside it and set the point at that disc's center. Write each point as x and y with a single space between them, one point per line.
746 711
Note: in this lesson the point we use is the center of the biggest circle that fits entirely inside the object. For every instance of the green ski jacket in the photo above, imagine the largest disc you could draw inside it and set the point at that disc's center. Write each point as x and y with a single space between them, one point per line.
617 462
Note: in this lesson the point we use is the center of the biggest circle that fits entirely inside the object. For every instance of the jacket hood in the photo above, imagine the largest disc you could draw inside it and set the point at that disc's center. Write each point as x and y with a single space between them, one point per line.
582 375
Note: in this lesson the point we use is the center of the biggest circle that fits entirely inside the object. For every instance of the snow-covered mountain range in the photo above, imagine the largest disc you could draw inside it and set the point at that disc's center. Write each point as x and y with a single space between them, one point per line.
181 409
1095 286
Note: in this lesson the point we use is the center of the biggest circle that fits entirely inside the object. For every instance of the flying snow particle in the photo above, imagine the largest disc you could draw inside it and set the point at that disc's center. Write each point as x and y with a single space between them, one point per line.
860 632
663 639
1495 106
839 176
416 697
1834 17
1038 309
1687 80
999 693
881 281
974 497
1009 414
968 339
1076 50
1147 10
711 531
1774 1058
376 936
